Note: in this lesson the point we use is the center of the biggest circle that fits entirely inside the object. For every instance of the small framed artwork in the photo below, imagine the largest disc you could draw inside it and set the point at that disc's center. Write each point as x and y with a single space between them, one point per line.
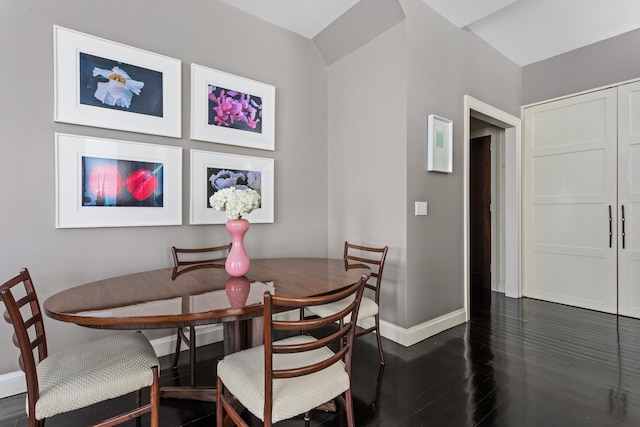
233 110
440 145
211 172
105 84
110 183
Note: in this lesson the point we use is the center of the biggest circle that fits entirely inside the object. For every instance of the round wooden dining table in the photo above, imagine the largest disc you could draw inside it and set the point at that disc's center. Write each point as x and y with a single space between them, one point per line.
152 300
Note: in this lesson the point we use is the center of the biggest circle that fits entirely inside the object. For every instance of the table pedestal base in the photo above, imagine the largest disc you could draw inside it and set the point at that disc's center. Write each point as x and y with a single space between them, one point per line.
237 336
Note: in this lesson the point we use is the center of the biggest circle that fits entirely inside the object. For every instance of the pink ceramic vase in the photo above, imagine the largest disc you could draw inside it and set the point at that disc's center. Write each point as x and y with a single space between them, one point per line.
237 289
237 263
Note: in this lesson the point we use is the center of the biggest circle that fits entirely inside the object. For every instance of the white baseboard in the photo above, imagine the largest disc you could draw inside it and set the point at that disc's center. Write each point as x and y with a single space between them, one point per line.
14 383
415 334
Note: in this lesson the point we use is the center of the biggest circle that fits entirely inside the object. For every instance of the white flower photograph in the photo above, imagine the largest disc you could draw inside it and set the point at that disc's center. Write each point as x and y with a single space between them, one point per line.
106 84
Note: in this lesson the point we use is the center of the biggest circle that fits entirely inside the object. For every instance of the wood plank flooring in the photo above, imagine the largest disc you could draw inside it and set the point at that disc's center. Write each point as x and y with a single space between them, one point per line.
516 363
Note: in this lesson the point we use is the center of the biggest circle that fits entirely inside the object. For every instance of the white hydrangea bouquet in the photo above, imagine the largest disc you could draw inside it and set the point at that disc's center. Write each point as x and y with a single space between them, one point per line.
235 203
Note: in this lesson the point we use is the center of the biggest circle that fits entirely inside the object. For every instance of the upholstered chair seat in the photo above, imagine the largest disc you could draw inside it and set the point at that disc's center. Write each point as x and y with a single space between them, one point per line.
356 256
82 375
287 377
93 372
243 374
368 308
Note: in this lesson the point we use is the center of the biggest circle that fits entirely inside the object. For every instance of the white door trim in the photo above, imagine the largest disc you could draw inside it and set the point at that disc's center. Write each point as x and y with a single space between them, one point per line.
476 108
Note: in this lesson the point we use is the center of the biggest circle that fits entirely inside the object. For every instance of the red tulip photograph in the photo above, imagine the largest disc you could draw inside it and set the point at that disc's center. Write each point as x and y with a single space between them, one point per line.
117 182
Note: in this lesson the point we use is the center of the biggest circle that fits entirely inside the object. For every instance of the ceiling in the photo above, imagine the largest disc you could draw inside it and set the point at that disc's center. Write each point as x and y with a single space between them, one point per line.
526 31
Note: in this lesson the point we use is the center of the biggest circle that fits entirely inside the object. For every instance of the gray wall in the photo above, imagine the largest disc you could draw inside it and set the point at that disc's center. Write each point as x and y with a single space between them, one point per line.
350 141
206 32
444 64
367 159
363 22
379 98
600 64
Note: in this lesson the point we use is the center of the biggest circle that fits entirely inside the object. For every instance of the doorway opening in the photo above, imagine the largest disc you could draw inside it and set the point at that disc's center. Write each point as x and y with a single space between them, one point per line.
491 202
481 210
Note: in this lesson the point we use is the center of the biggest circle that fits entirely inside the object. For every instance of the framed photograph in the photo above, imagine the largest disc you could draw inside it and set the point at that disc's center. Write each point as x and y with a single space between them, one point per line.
105 84
232 110
211 172
440 145
109 183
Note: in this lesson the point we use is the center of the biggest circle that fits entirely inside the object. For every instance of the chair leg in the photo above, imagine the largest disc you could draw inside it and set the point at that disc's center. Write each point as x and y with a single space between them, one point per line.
139 404
154 399
349 407
192 354
176 354
219 407
379 338
224 404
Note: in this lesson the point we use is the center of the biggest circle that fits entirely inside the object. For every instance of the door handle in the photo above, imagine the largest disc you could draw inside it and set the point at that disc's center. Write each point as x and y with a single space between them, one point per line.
610 227
623 221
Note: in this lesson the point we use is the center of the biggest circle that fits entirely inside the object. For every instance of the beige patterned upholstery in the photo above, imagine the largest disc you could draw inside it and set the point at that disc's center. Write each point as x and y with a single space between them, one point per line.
94 372
291 376
368 308
82 375
243 375
356 256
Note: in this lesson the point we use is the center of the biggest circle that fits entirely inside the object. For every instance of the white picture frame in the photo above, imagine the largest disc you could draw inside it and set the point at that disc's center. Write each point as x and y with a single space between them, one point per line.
440 144
212 125
111 183
205 164
106 84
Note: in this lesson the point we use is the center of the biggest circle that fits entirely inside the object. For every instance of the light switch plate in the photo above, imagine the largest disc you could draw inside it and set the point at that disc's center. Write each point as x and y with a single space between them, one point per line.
421 208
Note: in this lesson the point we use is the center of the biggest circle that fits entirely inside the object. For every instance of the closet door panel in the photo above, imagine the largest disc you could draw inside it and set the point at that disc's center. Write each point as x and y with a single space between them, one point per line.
629 199
563 226
569 279
570 173
570 160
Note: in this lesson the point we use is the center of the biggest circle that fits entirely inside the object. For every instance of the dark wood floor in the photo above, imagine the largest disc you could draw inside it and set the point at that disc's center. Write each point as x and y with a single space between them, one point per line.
516 363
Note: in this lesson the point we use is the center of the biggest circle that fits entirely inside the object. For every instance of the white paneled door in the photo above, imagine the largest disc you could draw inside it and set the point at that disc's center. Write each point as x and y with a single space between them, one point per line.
582 200
570 202
629 199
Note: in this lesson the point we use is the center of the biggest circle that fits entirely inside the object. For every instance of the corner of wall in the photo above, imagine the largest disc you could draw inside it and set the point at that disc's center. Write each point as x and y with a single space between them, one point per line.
359 25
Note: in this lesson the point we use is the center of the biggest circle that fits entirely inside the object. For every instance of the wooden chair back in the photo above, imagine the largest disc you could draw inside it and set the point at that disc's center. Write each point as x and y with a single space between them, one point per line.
342 339
24 314
183 265
355 256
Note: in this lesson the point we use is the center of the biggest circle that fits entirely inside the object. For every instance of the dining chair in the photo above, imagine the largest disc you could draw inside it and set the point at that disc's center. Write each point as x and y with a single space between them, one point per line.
81 375
355 256
184 261
287 377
